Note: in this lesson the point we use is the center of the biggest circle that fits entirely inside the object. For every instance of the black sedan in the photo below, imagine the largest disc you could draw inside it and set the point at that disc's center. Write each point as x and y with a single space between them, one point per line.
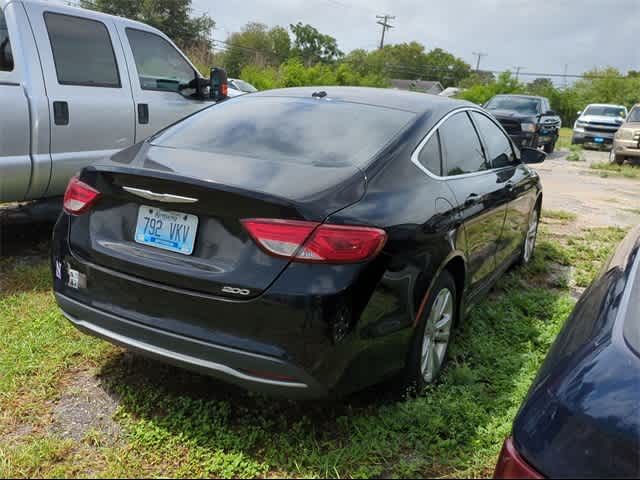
301 242
581 418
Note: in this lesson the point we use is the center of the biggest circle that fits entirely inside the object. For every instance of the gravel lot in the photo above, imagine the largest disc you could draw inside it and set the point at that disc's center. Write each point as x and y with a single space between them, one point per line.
598 201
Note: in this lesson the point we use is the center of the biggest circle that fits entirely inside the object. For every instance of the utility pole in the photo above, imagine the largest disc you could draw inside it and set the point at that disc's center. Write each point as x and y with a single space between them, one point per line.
479 55
518 68
384 21
566 66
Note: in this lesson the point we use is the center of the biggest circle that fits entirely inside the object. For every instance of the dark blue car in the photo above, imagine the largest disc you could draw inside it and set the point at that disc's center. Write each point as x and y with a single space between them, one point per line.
582 415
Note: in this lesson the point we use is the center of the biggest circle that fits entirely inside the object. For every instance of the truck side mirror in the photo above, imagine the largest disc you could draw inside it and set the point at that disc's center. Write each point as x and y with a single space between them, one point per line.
218 84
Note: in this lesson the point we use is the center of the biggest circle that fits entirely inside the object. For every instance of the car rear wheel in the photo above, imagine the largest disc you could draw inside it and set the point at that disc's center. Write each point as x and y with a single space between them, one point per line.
529 244
433 334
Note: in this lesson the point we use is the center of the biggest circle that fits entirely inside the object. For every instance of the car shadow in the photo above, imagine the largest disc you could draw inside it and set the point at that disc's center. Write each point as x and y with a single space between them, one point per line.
379 428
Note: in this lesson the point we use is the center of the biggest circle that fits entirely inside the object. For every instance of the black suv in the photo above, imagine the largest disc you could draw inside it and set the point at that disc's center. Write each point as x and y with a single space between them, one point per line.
528 120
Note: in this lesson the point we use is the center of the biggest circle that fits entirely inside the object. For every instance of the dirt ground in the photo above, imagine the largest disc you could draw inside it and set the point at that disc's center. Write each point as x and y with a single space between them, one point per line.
598 201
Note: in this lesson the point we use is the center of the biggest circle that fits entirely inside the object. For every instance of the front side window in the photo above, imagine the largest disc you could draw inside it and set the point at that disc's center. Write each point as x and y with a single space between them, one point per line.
430 157
6 57
634 116
460 142
160 66
82 51
499 151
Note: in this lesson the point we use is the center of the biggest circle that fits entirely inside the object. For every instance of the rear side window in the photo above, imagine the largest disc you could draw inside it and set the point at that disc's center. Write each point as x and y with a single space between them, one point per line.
430 157
160 66
6 57
296 130
461 145
498 145
82 51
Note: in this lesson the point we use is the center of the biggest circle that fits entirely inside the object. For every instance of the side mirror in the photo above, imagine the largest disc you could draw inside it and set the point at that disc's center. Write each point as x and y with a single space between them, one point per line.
579 112
218 84
532 155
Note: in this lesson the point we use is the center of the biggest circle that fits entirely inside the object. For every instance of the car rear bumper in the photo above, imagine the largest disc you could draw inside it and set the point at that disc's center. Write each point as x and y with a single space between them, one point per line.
245 369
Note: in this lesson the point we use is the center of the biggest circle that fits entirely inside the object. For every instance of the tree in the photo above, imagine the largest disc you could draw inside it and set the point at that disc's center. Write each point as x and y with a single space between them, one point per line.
313 47
173 17
257 45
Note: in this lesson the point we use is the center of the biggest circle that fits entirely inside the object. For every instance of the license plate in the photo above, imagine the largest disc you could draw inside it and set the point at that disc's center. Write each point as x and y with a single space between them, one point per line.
173 231
598 140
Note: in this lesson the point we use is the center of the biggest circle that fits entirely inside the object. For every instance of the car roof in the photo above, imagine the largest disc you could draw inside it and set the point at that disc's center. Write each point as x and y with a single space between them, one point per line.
78 11
415 102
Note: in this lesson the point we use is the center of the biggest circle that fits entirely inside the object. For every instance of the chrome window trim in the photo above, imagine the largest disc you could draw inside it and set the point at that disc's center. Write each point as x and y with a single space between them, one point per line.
416 152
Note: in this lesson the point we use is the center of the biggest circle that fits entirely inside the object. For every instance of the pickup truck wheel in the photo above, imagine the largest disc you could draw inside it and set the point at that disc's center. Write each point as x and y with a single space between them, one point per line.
550 147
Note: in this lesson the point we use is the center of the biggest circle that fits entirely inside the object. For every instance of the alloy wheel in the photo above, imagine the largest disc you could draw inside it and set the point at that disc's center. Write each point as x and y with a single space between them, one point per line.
530 240
437 333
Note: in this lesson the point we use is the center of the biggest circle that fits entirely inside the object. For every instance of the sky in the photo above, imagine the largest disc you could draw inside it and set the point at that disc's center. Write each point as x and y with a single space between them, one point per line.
540 36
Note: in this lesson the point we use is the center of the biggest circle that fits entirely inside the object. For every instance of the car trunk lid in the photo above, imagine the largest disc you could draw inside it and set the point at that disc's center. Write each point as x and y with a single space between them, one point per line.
217 190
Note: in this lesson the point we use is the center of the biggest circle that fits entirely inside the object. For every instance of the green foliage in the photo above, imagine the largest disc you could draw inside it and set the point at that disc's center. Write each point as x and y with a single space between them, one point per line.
313 47
293 73
409 61
481 93
256 45
173 17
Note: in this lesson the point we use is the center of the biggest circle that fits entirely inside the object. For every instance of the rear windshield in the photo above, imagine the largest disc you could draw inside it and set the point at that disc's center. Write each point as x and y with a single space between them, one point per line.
299 130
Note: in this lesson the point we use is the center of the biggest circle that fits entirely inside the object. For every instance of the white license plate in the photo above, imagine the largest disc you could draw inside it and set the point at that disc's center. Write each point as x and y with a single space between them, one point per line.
173 231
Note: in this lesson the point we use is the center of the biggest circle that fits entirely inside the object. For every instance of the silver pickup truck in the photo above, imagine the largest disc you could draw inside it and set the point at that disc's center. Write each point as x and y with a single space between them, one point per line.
77 86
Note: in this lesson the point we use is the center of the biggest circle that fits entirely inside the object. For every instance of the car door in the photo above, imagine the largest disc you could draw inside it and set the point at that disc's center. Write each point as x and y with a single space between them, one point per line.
162 79
478 192
88 91
517 191
15 165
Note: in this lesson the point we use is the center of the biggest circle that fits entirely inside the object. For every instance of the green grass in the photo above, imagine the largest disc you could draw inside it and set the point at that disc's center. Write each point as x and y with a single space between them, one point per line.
562 215
179 424
627 171
575 154
564 140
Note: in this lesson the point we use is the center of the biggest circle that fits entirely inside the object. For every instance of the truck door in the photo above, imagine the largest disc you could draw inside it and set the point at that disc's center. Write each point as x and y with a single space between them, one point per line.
92 113
162 80
15 163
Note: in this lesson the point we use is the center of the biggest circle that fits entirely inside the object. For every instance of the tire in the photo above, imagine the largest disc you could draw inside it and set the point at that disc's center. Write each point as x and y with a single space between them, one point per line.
550 147
431 342
617 159
529 244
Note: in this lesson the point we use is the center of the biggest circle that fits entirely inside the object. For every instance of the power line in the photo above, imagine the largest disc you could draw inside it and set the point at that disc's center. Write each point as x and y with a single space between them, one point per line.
384 21
479 55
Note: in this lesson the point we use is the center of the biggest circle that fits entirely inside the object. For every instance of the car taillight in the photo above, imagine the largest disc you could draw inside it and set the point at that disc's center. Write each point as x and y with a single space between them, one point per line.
512 465
79 197
303 241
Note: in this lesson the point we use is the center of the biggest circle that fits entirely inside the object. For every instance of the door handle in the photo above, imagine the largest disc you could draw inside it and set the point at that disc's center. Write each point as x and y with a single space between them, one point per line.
143 113
471 199
61 113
